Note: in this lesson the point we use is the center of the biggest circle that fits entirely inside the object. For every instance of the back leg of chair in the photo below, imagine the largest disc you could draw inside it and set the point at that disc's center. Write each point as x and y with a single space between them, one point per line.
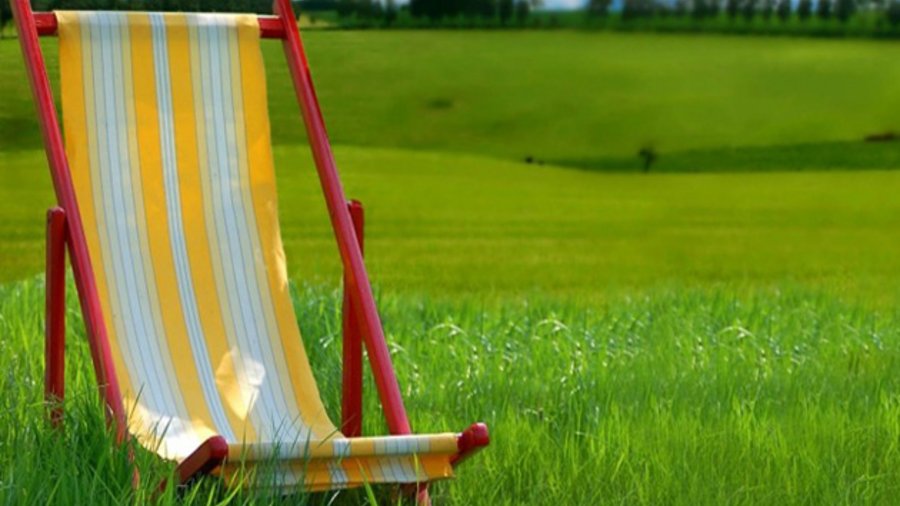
55 315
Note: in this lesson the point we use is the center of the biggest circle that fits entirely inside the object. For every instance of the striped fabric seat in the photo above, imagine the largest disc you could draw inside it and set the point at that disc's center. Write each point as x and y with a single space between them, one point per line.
167 134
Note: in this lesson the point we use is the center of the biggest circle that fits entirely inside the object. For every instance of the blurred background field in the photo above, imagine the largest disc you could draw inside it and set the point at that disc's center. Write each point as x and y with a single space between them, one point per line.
435 132
463 224
565 97
663 268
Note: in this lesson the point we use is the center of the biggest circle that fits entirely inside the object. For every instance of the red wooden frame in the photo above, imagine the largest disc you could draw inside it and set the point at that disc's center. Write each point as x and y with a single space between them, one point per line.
55 314
362 323
270 27
470 442
363 302
352 378
65 197
205 459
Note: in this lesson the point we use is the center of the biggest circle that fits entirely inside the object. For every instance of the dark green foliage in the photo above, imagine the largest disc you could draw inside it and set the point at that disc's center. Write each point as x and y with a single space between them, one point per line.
647 156
345 8
370 9
636 9
523 10
893 13
505 11
844 9
466 13
819 156
417 8
360 9
748 9
390 12
5 16
732 8
486 9
598 8
872 13
702 9
436 10
767 9
783 10
487 13
316 5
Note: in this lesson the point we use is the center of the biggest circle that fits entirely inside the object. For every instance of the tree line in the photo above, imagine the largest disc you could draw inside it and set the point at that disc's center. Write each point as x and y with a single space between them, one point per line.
435 11
748 10
646 13
366 11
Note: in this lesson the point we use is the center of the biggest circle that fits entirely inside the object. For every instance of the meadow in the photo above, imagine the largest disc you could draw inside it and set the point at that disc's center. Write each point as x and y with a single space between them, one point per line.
565 95
720 330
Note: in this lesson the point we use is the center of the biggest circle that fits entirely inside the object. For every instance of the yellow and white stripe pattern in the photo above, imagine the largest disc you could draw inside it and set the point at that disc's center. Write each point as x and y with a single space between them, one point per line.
167 135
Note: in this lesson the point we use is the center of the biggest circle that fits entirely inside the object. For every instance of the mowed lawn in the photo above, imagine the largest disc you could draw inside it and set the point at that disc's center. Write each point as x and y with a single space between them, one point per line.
432 129
462 224
717 334
563 95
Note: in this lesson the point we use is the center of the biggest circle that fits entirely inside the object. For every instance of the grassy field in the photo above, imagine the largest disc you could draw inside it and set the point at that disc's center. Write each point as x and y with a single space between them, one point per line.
683 397
524 230
719 331
563 96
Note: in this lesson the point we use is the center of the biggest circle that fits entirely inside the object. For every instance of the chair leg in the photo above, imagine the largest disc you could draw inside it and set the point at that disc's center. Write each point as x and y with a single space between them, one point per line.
55 314
422 496
417 492
55 322
352 376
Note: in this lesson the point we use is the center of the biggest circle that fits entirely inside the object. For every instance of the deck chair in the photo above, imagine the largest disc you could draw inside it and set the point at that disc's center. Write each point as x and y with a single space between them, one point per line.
167 207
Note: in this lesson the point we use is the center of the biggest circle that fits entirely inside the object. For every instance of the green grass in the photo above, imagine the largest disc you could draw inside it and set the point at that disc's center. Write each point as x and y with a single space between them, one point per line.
466 224
864 24
683 397
820 156
454 225
563 95
720 330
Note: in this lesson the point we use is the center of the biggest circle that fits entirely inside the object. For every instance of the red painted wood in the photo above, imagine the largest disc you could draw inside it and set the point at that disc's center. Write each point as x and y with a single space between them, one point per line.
351 255
65 196
46 23
423 498
270 27
55 315
352 384
205 459
473 439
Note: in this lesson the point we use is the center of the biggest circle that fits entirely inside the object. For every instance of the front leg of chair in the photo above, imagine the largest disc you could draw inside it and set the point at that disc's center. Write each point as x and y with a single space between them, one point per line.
415 491
422 496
